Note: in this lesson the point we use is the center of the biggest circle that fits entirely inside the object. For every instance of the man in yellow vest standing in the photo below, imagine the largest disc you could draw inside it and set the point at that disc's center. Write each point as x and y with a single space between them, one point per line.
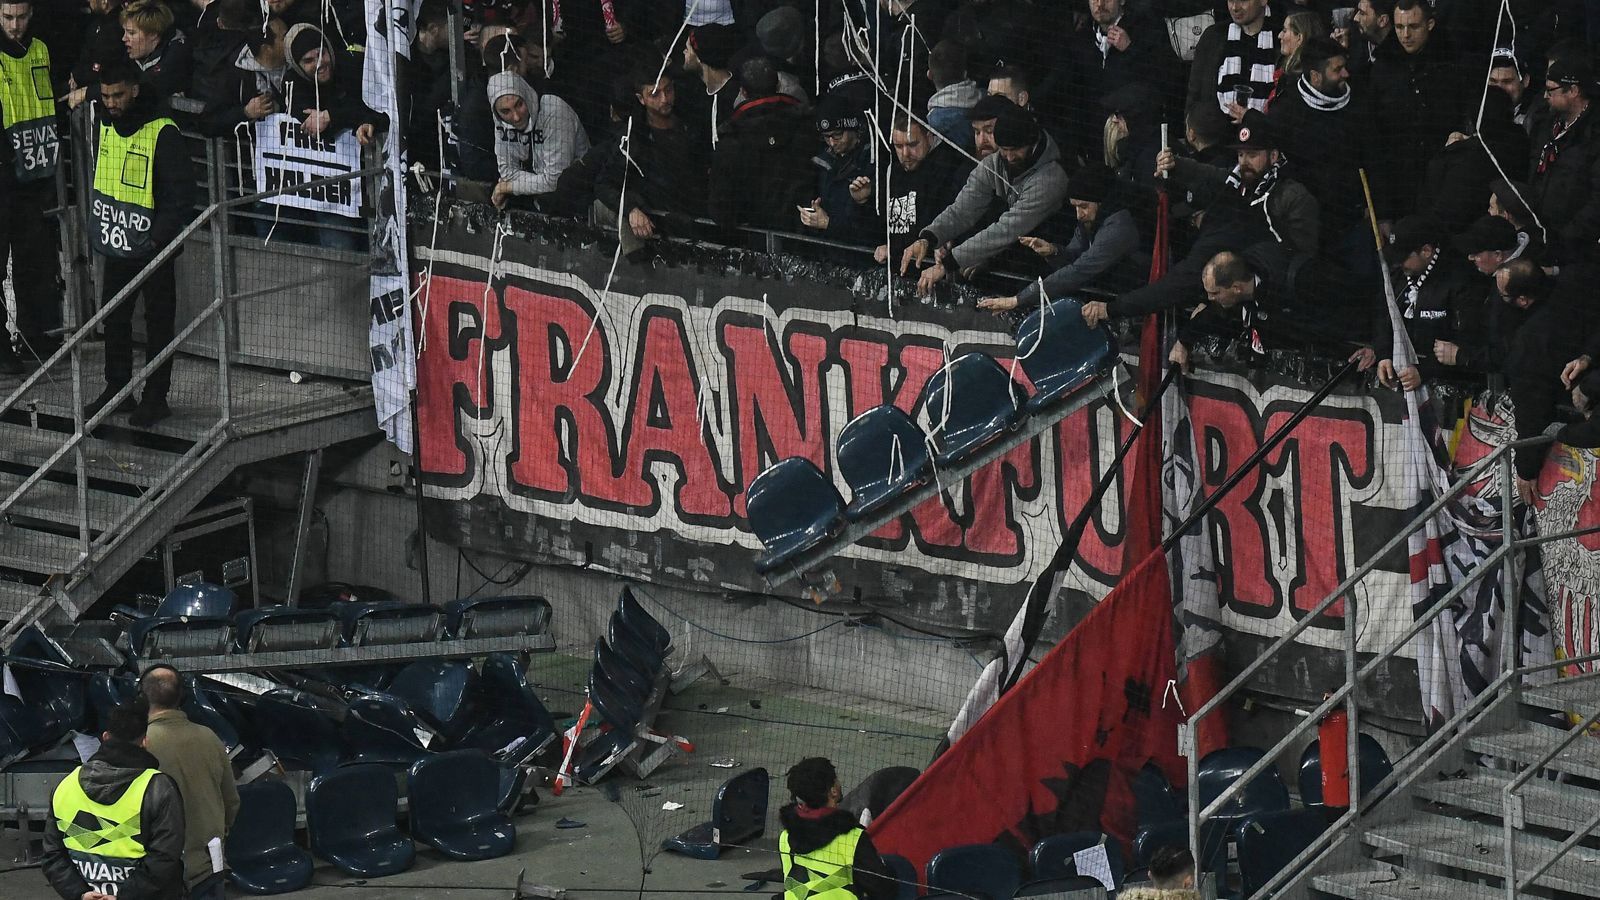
115 831
30 151
825 853
143 195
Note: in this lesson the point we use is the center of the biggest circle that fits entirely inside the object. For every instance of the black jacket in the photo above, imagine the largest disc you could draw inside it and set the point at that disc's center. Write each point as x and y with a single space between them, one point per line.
1417 100
104 778
228 92
1535 355
175 178
102 45
915 198
340 97
670 172
1091 75
1325 149
871 879
1449 307
761 168
848 221
1456 187
1565 191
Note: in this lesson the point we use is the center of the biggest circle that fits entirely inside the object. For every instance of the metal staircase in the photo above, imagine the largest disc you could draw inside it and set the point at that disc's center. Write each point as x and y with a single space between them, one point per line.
1502 800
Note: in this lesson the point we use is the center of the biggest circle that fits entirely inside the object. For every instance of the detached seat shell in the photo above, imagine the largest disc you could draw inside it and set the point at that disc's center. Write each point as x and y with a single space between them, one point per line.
883 455
738 814
260 849
1060 353
792 507
971 402
350 817
454 800
987 871
487 617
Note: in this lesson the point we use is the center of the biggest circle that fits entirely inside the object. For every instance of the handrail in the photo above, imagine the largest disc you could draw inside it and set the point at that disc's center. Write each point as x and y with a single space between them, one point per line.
1511 812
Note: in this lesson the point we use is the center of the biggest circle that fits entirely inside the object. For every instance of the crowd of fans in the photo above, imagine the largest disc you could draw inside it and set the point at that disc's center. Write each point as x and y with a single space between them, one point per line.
1016 145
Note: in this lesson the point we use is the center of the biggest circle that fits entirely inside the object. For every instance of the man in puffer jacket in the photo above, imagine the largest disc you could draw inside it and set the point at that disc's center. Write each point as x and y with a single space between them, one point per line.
1171 877
536 137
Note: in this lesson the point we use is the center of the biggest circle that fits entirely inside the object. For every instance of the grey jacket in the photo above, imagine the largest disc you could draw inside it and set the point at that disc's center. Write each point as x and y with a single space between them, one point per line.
533 157
1030 198
1087 257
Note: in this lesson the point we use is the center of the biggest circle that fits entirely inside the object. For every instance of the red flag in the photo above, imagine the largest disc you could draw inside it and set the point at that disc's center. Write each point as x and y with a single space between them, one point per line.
1059 751
1144 471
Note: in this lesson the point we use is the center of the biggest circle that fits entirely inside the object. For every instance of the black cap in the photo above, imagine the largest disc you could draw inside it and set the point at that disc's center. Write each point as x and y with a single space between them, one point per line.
1570 71
1091 184
992 106
1488 233
1253 137
1411 234
1015 128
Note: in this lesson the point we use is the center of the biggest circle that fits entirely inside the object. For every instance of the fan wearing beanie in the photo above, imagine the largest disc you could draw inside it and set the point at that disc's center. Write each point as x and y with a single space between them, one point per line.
1102 252
823 849
844 173
709 53
1024 176
323 88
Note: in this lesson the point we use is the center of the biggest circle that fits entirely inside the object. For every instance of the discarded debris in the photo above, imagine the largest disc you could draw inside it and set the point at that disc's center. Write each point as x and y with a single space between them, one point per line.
670 806
727 762
565 822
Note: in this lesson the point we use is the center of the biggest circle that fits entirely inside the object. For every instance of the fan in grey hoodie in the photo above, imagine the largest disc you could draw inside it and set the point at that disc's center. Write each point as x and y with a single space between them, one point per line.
535 138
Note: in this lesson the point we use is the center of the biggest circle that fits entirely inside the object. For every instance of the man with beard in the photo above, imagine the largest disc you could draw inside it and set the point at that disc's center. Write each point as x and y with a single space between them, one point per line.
1024 175
1120 47
1505 73
30 150
1373 38
1256 208
924 179
669 160
1564 172
1437 297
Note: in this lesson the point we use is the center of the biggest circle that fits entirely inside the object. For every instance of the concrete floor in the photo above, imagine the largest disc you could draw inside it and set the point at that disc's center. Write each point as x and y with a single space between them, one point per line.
750 721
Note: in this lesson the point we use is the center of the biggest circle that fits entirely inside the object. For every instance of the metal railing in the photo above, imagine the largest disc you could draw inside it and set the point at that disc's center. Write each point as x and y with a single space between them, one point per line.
1508 683
72 212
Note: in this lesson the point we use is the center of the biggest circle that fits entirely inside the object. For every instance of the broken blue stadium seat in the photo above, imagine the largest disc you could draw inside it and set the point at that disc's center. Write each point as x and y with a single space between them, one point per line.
1076 885
167 637
375 623
1375 767
613 704
1219 769
296 729
107 692
642 623
1213 844
620 672
260 849
33 643
200 705
1059 353
1052 857
883 455
637 650
269 629
986 871
738 814
598 757
350 819
904 874
792 508
878 791
454 806
486 617
514 724
57 694
970 402
380 729
20 729
513 785
198 599
1269 842
443 693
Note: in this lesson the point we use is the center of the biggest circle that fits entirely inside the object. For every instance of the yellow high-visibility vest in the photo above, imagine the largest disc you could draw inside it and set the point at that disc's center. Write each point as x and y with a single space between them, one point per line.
104 839
828 870
28 113
122 206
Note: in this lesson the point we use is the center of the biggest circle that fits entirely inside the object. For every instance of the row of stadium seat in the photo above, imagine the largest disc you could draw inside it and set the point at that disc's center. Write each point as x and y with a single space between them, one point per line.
883 455
626 684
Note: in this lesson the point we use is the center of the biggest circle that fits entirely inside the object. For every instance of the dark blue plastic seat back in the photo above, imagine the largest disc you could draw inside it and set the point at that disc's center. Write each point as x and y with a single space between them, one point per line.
882 456
56 693
970 403
198 600
1060 353
388 622
296 730
350 818
454 800
620 672
1052 857
1269 842
904 873
262 855
443 693
107 692
642 623
277 628
738 814
1221 768
20 729
1155 801
613 706
1213 844
637 650
793 507
510 616
982 870
1375 767
379 728
512 712
200 706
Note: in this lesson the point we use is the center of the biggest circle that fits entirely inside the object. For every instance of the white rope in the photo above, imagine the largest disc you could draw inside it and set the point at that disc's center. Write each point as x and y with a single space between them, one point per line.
1116 394
1483 100
433 249
672 47
616 257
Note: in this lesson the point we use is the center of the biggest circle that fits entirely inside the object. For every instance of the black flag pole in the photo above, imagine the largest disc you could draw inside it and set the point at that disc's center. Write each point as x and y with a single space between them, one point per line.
1267 446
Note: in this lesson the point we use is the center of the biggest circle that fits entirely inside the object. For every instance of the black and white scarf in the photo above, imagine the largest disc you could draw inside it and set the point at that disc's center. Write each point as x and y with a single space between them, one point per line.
1414 285
1249 61
1258 194
1319 101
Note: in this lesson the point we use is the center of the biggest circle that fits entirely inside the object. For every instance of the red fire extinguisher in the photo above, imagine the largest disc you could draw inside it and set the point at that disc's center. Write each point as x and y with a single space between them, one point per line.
1333 732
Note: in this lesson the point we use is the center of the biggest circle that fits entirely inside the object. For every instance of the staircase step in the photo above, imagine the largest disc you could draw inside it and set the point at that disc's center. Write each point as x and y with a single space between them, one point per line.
56 503
37 551
1526 745
14 597
1544 803
1580 695
1475 847
112 461
1379 881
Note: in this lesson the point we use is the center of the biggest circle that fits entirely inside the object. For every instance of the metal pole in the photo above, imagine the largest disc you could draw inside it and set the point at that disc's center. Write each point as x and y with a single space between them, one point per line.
308 498
416 487
216 184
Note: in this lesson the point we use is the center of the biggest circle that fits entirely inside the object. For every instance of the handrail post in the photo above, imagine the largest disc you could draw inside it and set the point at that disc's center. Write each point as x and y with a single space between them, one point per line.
216 179
1352 724
1510 639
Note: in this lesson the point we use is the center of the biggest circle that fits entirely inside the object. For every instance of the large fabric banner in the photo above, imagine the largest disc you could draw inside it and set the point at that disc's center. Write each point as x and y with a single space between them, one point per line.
288 155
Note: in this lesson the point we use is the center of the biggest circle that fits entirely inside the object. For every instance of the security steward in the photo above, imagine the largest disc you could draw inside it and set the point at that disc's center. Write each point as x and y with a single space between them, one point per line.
142 197
826 855
29 155
116 826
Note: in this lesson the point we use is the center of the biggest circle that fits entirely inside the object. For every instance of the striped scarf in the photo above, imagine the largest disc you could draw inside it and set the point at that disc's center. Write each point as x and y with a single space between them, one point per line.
1248 61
